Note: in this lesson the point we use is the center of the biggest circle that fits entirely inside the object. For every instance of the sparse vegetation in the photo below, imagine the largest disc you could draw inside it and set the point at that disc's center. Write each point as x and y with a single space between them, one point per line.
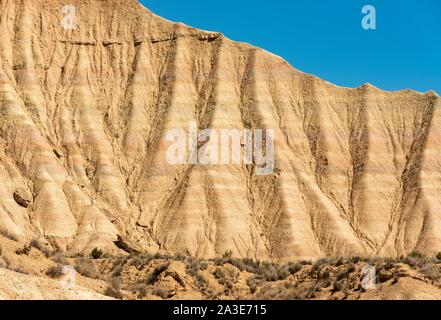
431 271
8 235
96 253
417 255
194 266
87 269
114 290
37 245
228 254
151 278
24 250
111 292
162 292
139 275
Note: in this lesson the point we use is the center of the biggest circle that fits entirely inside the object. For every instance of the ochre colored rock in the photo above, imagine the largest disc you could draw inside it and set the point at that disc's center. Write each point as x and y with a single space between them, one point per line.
357 170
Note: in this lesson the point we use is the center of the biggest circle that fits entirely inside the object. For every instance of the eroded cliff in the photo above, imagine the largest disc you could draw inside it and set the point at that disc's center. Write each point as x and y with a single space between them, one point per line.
83 120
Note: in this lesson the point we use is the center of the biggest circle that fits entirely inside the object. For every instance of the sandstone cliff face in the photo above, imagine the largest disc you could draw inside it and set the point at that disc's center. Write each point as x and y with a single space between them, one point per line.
83 120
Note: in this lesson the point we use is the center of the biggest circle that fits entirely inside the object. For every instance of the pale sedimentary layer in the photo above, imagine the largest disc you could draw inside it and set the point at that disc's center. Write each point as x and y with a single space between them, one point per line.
84 115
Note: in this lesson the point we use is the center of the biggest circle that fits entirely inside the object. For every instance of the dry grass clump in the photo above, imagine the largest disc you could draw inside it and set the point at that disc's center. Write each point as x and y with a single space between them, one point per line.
287 291
114 290
154 274
8 235
86 268
194 266
23 250
111 292
431 271
55 271
96 253
266 271
225 277
39 246
164 293
59 258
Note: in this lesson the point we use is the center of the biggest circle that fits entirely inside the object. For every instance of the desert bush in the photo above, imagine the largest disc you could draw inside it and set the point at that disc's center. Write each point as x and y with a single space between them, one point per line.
417 255
139 288
140 261
293 268
341 275
225 277
227 254
18 269
8 235
23 250
162 292
337 286
194 266
86 268
431 271
55 271
96 253
37 245
111 292
355 259
153 275
384 276
345 273
389 265
200 281
59 258
350 269
272 272
321 262
252 283
218 273
316 266
285 291
438 255
161 256
338 262
117 269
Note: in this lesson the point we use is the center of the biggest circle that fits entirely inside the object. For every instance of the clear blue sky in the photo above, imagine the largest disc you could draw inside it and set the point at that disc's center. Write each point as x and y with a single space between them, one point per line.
325 37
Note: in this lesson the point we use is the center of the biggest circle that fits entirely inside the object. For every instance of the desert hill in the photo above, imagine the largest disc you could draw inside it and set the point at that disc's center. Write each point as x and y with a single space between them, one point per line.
84 116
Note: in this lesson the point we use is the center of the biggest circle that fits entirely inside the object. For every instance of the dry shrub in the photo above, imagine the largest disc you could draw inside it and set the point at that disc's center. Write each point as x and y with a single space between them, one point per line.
162 292
55 271
152 276
37 245
59 258
8 235
285 291
431 271
23 250
111 292
194 266
86 268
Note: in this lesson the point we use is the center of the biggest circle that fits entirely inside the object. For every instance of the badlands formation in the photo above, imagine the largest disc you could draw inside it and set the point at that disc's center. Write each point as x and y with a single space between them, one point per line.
84 116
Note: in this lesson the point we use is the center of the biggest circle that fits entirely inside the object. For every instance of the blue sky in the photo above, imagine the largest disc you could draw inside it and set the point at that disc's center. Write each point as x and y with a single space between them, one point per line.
325 37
